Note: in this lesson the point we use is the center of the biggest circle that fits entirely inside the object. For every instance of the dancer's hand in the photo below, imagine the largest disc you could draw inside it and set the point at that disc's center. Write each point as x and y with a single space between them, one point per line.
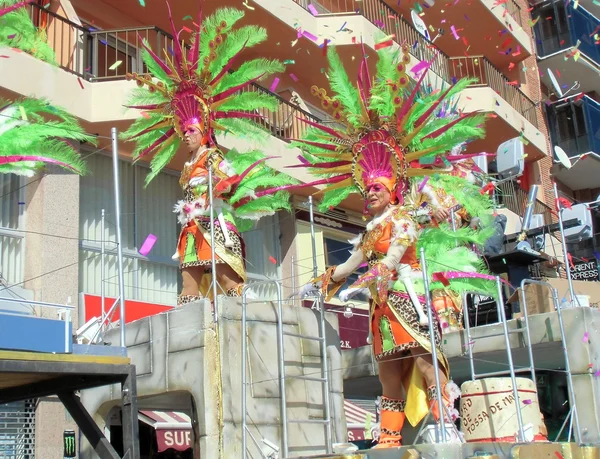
345 295
308 290
441 214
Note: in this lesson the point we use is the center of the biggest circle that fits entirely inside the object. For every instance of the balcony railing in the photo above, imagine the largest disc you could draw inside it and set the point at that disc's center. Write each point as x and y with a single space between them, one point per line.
487 75
562 25
575 125
101 55
385 18
514 198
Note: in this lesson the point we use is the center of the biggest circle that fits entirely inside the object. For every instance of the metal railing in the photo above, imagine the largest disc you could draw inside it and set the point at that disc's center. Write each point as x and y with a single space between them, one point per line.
117 52
103 55
385 18
483 70
514 11
511 196
574 124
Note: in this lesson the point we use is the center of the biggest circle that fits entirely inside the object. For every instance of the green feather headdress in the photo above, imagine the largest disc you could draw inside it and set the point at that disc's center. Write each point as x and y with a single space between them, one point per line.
390 129
196 86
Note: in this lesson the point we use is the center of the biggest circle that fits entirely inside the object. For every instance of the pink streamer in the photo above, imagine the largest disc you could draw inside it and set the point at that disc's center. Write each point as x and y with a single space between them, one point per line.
294 77
464 275
309 35
422 184
453 30
420 67
148 244
312 9
274 84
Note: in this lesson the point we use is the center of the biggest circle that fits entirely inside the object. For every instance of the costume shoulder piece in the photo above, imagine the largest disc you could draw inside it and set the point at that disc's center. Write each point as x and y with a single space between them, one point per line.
34 133
197 86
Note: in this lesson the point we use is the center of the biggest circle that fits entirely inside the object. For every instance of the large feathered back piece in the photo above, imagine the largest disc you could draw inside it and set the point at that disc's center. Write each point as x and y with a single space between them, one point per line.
197 86
34 133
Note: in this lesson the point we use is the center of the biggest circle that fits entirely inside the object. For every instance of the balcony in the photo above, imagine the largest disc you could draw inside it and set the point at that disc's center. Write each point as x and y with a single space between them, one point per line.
558 31
495 29
493 93
574 125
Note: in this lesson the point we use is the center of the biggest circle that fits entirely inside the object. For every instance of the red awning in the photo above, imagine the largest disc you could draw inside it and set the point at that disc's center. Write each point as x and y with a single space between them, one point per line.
173 429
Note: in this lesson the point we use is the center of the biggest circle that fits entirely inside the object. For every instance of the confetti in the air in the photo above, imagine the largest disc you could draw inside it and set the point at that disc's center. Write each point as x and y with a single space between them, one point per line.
586 337
115 65
294 77
312 9
148 244
272 260
274 84
142 2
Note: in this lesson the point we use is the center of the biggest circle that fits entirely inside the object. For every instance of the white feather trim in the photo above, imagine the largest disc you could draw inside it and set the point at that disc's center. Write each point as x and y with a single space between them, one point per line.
356 241
226 167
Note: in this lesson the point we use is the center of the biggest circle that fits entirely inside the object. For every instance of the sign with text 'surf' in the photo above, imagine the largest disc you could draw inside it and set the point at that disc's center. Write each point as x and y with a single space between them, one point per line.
69 444
587 271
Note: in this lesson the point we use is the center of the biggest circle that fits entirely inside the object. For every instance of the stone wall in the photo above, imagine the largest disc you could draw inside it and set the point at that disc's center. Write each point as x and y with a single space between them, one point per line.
177 352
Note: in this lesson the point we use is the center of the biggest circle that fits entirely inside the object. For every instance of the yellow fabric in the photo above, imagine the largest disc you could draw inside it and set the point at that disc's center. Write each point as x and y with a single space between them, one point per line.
417 404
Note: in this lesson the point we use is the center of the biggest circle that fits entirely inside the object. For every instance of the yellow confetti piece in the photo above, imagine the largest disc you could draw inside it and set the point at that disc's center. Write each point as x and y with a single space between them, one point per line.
294 42
575 4
23 114
248 6
115 65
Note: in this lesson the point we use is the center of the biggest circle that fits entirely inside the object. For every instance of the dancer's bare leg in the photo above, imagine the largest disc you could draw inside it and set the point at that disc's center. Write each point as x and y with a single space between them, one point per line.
392 374
228 279
191 277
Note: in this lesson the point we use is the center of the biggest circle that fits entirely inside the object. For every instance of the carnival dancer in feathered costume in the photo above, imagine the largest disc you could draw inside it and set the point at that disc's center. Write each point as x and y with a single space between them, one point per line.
390 139
188 96
34 133
17 31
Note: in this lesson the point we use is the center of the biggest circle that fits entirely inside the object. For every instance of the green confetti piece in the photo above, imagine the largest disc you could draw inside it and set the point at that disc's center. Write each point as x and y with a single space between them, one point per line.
142 2
187 17
289 61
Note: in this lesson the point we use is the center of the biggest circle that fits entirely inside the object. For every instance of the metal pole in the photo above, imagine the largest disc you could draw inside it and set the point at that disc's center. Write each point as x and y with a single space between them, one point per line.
115 158
567 365
244 363
513 377
293 282
325 376
564 246
312 236
102 261
212 244
281 365
468 333
436 365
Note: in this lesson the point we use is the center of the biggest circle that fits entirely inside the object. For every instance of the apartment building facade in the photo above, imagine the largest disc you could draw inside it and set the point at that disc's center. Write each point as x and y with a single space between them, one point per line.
51 226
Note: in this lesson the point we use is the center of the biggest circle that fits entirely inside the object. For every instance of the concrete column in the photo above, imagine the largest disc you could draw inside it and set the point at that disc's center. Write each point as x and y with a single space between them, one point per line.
52 273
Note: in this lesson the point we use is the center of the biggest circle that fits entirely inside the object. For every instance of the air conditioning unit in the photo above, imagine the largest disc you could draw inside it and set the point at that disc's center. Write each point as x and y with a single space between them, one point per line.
510 158
582 231
481 162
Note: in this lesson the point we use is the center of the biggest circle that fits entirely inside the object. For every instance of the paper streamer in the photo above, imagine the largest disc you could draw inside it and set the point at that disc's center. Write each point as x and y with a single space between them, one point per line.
294 77
383 44
422 184
312 9
115 65
420 66
273 260
309 35
147 245
274 84
586 337
453 30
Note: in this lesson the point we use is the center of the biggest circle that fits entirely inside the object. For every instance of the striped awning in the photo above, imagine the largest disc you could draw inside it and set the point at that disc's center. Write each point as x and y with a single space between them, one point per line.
356 418
173 428
357 415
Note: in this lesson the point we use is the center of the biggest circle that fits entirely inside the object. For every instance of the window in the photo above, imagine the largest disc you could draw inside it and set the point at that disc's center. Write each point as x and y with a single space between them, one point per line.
144 211
337 252
12 241
17 429
262 249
